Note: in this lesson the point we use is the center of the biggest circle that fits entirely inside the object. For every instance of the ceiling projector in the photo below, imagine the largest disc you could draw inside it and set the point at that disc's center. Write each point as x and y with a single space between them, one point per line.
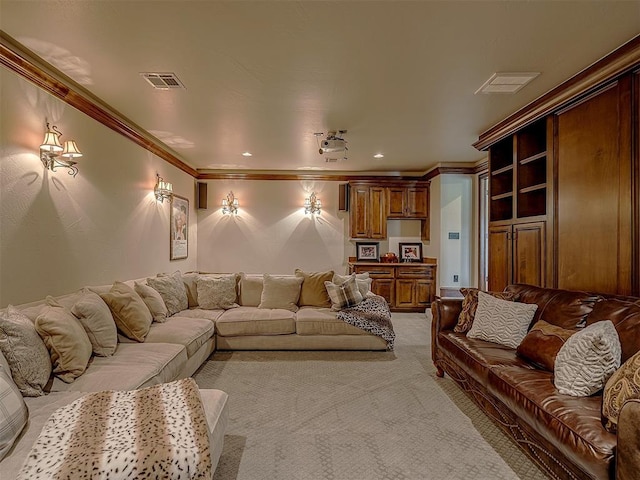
333 145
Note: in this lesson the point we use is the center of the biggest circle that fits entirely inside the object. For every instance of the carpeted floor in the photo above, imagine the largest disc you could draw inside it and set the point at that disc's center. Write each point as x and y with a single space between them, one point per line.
355 416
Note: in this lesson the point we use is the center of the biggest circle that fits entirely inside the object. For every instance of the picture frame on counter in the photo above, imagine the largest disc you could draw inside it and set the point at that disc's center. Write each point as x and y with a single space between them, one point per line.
410 252
368 251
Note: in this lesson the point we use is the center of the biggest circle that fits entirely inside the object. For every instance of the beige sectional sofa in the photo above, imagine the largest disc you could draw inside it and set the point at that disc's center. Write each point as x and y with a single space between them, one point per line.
177 347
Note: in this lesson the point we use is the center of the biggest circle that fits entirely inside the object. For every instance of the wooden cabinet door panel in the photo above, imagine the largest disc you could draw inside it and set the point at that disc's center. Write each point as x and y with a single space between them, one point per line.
385 288
499 270
395 202
416 204
529 253
423 290
377 213
359 212
405 293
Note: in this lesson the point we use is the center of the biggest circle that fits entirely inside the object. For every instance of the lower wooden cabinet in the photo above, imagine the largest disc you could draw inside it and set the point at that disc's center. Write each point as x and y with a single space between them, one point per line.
406 287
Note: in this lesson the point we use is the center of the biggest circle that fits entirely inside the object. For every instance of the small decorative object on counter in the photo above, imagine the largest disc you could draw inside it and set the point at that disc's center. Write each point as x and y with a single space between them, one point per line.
389 257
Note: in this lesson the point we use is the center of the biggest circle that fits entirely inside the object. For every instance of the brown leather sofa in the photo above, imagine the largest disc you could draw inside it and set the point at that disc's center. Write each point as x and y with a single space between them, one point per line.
561 433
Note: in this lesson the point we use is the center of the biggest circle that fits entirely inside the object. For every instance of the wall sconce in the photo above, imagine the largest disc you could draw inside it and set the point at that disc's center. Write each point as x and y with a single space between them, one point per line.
162 189
230 204
51 152
312 204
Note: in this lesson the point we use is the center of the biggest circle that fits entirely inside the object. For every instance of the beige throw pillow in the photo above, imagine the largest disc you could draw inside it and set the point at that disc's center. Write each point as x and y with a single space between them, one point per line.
280 292
363 281
344 295
153 300
313 293
587 360
172 290
216 293
501 321
68 344
129 311
25 352
96 319
250 289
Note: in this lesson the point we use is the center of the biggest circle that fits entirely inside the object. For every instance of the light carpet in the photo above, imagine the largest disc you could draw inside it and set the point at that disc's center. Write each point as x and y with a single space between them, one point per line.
355 416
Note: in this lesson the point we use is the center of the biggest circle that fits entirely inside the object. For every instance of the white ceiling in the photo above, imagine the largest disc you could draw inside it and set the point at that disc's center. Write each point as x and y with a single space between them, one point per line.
264 76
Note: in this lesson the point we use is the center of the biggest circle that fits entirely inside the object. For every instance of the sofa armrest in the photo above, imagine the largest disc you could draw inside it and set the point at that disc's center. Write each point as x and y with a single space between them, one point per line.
445 312
628 449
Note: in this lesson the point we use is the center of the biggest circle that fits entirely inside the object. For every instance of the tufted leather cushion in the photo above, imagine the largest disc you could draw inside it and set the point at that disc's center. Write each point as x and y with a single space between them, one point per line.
542 344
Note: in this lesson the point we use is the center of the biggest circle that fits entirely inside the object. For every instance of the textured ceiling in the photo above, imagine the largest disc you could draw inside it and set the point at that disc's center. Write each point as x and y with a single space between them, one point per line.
264 76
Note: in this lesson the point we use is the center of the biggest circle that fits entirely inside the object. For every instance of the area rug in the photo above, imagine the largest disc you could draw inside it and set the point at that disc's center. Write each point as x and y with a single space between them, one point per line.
355 416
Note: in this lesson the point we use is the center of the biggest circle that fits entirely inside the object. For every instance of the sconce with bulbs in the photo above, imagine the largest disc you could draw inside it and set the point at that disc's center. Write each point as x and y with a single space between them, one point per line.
230 204
162 189
312 204
54 155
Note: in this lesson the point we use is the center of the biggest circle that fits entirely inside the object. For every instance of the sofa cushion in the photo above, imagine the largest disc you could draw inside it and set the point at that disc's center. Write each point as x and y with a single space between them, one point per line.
216 293
96 319
250 289
470 305
623 385
68 344
587 360
565 308
153 300
190 332
134 365
323 321
280 292
13 413
172 290
25 352
571 424
542 344
130 313
211 315
256 321
625 316
313 292
501 321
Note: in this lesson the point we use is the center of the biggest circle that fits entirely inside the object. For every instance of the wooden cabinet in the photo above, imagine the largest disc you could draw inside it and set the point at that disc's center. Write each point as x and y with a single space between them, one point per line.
406 287
408 202
368 212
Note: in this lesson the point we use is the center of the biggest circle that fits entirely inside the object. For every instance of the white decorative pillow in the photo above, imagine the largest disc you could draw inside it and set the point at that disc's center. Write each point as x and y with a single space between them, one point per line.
153 300
13 413
280 292
251 289
344 295
94 315
216 293
172 290
25 352
68 344
501 321
587 360
363 281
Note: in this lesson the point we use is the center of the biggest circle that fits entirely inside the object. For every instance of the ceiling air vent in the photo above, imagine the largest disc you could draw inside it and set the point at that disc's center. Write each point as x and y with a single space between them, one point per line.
163 81
507 82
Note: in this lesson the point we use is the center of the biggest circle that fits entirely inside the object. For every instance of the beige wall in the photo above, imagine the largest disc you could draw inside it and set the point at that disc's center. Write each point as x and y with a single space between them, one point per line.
59 233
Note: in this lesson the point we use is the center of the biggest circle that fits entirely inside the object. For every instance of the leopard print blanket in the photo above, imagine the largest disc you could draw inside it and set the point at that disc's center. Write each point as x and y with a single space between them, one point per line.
372 315
158 432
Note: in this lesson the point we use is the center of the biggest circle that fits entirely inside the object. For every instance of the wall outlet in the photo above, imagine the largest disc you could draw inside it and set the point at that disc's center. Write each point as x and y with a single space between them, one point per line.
455 279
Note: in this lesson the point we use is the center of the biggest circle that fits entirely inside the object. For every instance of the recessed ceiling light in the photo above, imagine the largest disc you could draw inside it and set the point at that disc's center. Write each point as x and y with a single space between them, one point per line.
247 154
378 155
507 82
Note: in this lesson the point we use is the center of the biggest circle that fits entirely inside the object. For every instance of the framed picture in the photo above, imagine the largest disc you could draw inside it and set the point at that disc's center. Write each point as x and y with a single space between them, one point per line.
367 251
410 252
179 228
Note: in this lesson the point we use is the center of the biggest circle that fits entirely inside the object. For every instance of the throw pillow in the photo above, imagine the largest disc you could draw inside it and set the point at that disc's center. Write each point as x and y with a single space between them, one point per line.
587 360
25 352
250 289
623 385
190 281
131 314
345 295
172 290
542 344
470 305
280 292
313 292
216 293
153 300
13 413
363 281
68 344
501 321
94 315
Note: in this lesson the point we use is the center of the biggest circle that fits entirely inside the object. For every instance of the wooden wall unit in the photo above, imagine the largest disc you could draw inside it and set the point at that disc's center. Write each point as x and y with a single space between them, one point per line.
564 184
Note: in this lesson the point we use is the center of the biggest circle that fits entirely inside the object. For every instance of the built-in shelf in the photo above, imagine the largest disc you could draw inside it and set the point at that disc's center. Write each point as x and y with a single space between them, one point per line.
502 170
533 188
533 158
501 196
